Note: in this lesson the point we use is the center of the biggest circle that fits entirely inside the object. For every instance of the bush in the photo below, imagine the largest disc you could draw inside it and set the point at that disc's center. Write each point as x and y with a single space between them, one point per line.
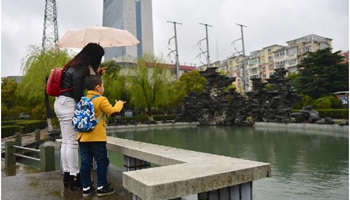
8 123
28 126
32 125
164 117
334 113
336 103
142 118
322 103
7 131
306 100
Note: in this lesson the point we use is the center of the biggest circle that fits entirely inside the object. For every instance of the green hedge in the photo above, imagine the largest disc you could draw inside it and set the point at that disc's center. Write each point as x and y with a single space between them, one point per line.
9 123
164 117
7 131
332 113
9 128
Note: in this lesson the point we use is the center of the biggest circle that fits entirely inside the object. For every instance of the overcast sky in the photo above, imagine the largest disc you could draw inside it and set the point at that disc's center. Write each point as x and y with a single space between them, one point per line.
268 22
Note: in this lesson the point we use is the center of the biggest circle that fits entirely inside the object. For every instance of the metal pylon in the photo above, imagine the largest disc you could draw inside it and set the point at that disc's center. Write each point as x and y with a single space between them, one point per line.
50 31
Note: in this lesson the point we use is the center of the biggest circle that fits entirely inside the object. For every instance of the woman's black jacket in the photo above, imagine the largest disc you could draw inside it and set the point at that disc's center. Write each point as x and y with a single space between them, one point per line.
74 77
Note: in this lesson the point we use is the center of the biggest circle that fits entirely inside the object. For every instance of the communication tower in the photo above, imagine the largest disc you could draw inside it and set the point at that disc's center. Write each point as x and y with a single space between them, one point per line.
50 31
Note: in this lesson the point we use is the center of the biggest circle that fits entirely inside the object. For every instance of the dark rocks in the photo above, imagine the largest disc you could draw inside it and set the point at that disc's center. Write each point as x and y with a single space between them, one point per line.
217 107
308 115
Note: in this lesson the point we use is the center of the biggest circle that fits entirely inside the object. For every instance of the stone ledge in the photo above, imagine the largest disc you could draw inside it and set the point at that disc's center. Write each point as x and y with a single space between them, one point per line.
182 172
304 126
140 126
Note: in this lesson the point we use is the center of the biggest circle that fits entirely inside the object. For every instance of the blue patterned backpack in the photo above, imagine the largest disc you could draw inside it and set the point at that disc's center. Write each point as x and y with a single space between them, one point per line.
84 115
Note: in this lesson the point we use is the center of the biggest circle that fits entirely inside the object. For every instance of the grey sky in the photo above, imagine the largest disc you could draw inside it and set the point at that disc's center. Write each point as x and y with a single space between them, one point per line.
268 22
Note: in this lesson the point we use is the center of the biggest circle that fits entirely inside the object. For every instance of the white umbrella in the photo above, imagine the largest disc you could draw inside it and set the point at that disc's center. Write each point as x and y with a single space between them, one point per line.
104 36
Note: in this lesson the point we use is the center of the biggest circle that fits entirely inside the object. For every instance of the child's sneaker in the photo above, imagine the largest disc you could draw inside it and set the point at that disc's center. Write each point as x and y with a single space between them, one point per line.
105 190
88 191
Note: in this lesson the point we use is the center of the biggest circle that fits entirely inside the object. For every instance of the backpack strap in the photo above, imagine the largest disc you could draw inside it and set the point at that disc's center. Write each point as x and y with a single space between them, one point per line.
100 117
66 89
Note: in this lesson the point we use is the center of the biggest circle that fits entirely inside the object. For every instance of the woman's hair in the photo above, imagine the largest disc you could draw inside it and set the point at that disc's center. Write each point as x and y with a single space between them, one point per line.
92 81
91 54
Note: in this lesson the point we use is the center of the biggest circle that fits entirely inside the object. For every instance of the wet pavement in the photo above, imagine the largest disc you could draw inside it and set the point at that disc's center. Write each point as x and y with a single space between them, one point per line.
25 182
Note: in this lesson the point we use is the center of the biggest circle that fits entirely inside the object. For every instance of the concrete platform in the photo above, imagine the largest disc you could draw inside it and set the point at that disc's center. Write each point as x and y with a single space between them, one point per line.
183 172
27 184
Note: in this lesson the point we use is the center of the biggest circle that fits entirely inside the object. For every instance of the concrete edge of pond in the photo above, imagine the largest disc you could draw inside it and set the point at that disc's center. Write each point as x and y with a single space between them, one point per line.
182 172
303 126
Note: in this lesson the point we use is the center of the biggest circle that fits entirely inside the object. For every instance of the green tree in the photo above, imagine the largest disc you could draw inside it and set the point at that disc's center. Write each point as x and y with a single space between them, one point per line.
148 84
191 81
114 83
8 99
8 87
36 66
321 74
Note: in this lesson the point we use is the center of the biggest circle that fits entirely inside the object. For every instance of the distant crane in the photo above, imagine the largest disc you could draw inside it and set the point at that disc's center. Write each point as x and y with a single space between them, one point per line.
50 30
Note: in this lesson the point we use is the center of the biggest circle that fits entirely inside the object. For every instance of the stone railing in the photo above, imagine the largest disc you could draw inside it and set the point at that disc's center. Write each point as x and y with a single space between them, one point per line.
185 174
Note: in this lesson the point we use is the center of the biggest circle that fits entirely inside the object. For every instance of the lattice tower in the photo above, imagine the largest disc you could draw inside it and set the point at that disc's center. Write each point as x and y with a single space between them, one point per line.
50 32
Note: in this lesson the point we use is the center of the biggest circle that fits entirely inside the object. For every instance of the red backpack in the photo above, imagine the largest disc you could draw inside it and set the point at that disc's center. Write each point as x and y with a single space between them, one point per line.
53 84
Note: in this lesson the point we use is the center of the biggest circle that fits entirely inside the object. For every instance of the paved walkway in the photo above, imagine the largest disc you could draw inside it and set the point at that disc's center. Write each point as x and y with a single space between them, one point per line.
26 182
49 185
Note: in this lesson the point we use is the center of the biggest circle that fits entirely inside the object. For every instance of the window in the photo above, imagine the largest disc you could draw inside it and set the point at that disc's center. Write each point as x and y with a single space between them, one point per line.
307 49
292 51
292 61
269 50
270 66
281 53
270 58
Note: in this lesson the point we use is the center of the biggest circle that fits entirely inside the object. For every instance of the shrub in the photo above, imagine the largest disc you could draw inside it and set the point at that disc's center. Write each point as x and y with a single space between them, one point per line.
164 117
7 131
305 101
32 125
141 118
334 113
336 103
322 103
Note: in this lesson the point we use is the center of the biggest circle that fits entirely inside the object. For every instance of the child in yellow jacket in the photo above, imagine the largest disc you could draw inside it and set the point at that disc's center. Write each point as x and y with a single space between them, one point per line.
93 144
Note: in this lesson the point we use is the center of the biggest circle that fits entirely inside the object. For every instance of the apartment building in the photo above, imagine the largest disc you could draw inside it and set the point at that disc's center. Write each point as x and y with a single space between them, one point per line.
262 63
235 69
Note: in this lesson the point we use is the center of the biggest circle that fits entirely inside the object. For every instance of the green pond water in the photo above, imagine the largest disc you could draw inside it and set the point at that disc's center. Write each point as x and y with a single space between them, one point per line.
304 165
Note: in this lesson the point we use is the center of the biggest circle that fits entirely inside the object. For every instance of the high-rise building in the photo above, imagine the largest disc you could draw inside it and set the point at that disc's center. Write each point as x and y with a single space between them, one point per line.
134 16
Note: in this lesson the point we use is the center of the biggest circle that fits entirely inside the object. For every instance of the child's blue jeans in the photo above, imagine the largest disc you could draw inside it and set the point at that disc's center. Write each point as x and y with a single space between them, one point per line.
89 150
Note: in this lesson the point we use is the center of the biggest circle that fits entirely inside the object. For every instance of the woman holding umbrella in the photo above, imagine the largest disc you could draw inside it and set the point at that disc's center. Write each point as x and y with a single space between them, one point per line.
85 63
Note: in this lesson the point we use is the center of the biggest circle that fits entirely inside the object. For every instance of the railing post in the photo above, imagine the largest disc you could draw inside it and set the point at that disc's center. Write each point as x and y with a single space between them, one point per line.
47 158
37 135
9 158
132 164
18 138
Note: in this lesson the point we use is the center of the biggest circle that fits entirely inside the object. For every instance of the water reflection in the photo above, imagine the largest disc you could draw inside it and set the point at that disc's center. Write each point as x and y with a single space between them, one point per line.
308 165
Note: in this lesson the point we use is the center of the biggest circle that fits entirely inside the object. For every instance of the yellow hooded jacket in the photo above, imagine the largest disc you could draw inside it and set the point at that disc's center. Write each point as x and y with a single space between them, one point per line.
101 105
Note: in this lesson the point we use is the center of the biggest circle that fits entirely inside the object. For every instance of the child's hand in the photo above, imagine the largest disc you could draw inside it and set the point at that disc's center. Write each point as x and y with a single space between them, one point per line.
100 71
116 101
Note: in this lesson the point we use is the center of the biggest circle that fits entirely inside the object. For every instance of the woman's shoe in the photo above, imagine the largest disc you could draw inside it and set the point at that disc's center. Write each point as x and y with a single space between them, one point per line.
74 182
66 179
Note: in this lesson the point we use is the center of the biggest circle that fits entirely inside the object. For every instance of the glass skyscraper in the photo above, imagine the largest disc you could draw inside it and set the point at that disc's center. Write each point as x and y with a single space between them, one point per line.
134 16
